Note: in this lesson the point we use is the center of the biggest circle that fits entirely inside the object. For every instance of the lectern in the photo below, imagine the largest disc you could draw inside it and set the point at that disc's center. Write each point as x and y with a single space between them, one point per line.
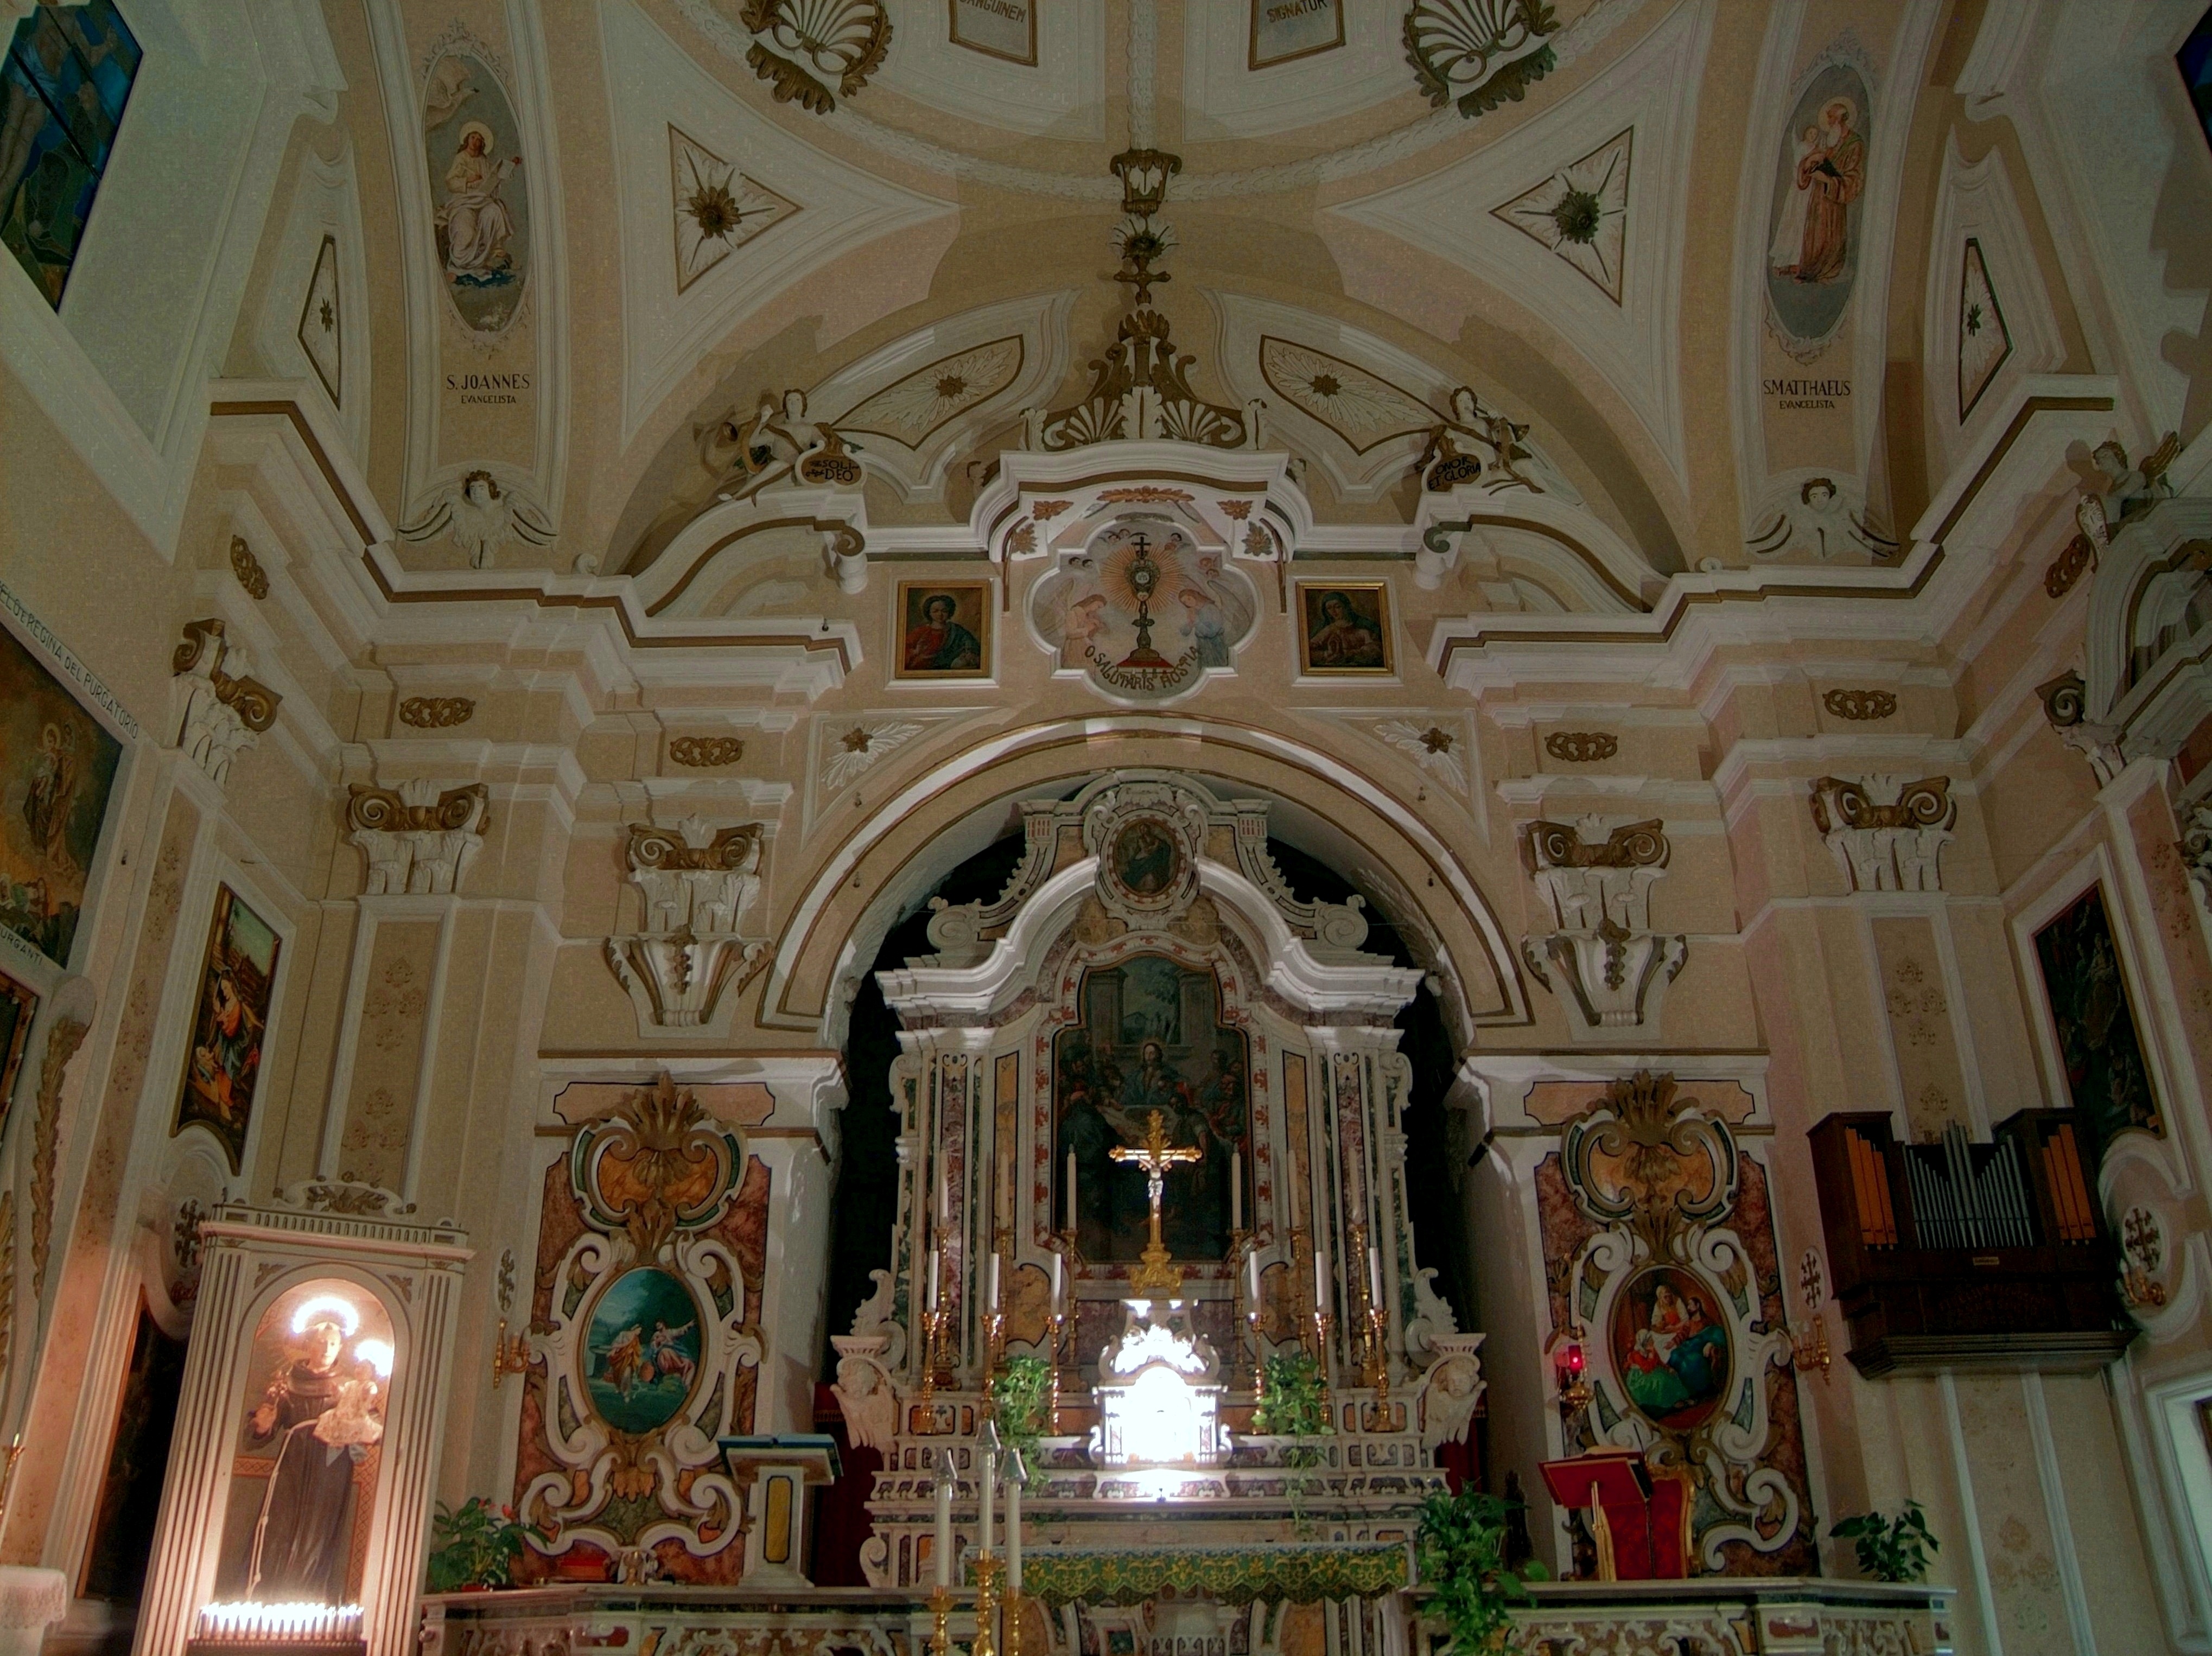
1634 1521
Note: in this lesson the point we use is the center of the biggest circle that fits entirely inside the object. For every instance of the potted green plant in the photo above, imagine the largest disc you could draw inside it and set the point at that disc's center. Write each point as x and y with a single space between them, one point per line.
1294 1404
473 1545
1461 1549
1890 1549
1021 1398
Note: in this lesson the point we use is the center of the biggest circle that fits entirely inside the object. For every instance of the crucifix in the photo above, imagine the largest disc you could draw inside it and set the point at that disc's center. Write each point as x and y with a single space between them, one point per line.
1156 1155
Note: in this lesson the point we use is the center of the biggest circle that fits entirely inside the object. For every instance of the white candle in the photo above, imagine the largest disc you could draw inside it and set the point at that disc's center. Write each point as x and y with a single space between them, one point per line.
944 1199
944 1520
1236 1190
1321 1282
1252 1280
1375 1277
993 1278
1070 1187
990 1462
1057 1264
1015 1473
930 1290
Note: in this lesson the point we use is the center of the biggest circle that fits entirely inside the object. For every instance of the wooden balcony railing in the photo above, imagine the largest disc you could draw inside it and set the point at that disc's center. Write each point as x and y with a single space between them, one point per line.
1964 1255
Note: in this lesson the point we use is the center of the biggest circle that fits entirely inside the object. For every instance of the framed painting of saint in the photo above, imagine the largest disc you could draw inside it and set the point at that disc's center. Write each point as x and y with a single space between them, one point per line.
19 1007
2100 1046
1344 630
1150 1036
229 1025
57 766
943 630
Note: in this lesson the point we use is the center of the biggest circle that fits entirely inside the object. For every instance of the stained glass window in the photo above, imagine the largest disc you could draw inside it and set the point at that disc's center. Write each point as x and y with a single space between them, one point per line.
2195 61
67 75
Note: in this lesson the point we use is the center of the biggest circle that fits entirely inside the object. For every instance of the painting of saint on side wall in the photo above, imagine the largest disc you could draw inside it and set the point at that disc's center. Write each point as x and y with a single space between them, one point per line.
229 1025
19 1008
56 768
480 201
2098 1045
1150 1037
1817 219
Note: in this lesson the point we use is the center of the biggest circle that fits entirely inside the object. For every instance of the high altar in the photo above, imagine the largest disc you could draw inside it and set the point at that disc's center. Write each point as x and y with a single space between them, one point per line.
1150 1104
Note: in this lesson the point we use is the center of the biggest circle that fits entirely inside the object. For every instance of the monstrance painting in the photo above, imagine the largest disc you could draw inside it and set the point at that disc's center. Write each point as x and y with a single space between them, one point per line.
229 1025
641 1349
1670 1347
1150 1037
2098 1044
57 767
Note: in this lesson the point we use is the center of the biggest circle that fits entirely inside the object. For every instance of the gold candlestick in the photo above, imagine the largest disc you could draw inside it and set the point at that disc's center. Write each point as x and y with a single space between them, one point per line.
1320 1321
933 1333
1059 1326
986 1606
994 1344
1378 1358
940 1609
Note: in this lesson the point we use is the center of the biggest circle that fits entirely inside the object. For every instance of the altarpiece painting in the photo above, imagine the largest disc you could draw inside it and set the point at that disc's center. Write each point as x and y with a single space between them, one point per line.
1150 1037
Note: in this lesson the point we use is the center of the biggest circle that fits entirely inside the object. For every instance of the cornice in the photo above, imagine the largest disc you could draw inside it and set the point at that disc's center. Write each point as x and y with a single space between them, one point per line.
1954 544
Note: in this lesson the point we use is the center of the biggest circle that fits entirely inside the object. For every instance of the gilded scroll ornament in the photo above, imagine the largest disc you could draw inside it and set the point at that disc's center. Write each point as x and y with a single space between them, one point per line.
1887 834
1581 746
225 708
247 568
436 712
416 837
1860 704
706 752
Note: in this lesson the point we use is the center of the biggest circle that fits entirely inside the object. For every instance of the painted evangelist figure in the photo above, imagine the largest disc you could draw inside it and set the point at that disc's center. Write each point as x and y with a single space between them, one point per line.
231 1022
57 767
1150 1038
1670 1347
472 145
1814 227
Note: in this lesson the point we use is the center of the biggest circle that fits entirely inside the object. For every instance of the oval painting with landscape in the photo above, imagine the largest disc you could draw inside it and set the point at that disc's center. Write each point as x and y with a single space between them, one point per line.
641 1349
1670 1347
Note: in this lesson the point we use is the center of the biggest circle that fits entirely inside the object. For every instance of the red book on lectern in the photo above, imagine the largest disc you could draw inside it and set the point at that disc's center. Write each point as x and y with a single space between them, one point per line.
1621 1488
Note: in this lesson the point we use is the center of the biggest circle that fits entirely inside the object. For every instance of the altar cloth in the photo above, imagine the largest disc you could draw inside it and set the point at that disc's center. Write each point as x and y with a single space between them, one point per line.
1276 1572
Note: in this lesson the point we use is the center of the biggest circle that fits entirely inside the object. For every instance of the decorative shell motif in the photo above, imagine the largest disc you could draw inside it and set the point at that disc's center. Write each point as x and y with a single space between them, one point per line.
1581 746
1860 704
1487 51
829 42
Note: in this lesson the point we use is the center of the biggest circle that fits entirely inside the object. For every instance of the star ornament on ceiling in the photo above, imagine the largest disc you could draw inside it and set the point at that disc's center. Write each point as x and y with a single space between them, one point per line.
717 209
1581 213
